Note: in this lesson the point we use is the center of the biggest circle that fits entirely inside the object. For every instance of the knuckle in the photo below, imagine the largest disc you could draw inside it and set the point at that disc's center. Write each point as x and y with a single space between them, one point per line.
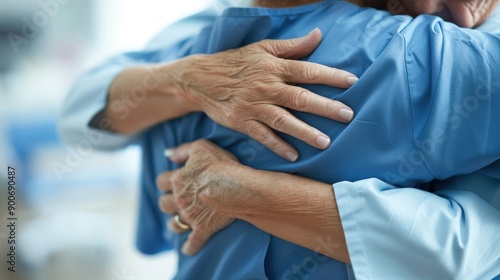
337 75
181 203
160 181
330 106
260 87
300 99
263 43
279 121
286 44
272 46
270 66
161 205
311 72
199 143
177 180
275 146
260 134
191 172
305 133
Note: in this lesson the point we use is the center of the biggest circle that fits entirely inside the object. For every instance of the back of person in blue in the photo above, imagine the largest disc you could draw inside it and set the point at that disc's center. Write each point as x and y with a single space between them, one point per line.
406 123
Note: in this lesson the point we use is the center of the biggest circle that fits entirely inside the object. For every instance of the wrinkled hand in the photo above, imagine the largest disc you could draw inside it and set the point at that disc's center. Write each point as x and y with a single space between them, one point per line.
189 191
247 90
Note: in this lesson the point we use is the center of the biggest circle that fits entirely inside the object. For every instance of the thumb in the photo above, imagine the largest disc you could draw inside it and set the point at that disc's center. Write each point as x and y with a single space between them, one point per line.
195 241
293 48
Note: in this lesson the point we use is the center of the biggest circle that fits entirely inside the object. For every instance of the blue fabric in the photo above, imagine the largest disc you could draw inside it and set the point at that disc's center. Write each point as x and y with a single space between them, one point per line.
424 110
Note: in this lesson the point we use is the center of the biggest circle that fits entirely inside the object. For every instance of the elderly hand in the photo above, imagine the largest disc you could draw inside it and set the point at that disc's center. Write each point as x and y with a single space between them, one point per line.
247 90
189 191
213 188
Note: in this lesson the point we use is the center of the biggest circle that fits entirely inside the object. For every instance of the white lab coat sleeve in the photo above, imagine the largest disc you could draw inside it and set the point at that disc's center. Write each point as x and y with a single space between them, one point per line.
406 233
89 94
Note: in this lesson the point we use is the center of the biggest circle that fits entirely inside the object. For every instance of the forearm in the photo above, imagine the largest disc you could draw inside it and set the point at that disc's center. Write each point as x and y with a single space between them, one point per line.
142 96
86 99
297 209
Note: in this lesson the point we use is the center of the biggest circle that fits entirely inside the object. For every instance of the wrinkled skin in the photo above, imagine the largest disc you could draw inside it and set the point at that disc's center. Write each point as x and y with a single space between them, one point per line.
256 83
189 191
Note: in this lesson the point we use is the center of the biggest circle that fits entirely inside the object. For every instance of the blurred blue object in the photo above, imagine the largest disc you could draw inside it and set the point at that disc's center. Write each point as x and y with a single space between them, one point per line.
27 135
47 169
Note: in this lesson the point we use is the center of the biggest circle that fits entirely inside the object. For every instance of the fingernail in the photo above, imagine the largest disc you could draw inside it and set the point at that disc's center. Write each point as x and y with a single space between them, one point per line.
168 153
291 156
185 251
323 141
352 80
346 114
312 31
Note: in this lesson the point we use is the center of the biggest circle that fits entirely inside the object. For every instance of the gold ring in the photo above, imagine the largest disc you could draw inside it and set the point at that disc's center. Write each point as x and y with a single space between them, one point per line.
179 223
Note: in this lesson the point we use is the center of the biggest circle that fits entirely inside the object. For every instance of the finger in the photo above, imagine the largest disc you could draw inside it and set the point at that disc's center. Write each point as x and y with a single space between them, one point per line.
178 155
167 204
173 226
312 73
301 99
283 121
195 241
163 181
264 135
182 153
292 48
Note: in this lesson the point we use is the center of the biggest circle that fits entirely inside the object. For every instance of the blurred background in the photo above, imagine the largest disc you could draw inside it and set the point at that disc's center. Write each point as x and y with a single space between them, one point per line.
82 227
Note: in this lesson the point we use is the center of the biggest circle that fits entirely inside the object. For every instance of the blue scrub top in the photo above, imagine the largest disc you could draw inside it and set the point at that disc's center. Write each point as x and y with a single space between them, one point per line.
419 117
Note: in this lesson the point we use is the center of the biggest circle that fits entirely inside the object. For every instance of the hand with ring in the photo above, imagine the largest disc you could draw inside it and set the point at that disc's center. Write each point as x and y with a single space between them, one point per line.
179 223
187 194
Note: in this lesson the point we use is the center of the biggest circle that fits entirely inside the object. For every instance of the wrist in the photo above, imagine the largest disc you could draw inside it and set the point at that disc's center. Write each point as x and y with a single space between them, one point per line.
170 85
177 80
246 192
229 188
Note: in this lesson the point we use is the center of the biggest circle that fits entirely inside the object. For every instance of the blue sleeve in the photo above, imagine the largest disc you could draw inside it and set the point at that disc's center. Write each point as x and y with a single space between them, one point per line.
406 233
454 88
89 94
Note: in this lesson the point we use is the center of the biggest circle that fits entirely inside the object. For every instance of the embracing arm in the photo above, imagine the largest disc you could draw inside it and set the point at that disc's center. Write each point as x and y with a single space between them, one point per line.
214 186
294 208
391 232
142 96
244 89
